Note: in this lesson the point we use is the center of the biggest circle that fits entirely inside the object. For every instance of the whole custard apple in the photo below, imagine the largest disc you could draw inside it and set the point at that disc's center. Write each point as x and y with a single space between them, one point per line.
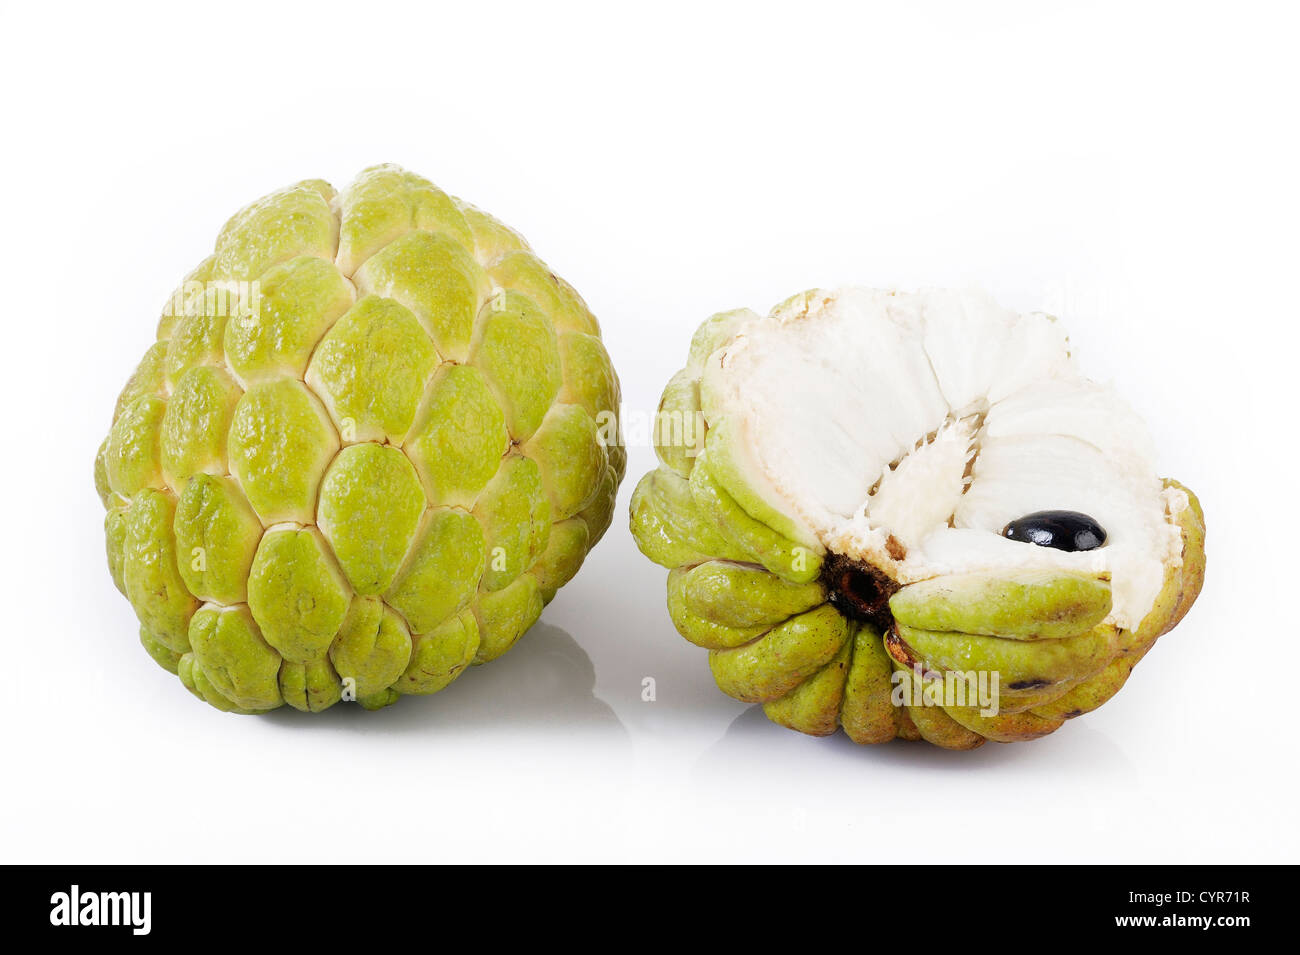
909 515
372 440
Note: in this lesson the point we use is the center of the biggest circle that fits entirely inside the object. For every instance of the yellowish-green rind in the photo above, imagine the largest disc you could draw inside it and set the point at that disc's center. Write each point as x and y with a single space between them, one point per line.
774 664
150 573
217 534
442 574
505 615
1027 605
441 655
867 712
281 441
679 423
370 370
375 435
237 662
669 528
1018 663
813 707
372 649
369 511
931 721
721 604
786 558
459 438
1191 573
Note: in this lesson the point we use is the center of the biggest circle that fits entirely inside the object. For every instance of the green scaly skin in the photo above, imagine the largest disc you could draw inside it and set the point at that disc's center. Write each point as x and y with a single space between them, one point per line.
368 446
746 584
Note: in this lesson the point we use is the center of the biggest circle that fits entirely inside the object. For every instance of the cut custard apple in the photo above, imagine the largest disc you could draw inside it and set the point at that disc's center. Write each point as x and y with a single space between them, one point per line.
909 515
371 441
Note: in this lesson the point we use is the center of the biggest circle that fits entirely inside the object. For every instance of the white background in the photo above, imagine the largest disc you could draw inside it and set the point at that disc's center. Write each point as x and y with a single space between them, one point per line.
1130 167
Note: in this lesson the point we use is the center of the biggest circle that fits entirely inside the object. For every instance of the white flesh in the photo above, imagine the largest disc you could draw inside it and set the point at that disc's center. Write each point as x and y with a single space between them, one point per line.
936 417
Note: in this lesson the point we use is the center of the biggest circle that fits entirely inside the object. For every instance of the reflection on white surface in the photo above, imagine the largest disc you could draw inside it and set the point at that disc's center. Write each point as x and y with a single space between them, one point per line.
752 732
545 682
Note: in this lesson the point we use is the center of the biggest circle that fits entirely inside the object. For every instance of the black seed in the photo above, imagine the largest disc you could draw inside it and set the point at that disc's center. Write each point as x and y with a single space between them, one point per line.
1063 530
